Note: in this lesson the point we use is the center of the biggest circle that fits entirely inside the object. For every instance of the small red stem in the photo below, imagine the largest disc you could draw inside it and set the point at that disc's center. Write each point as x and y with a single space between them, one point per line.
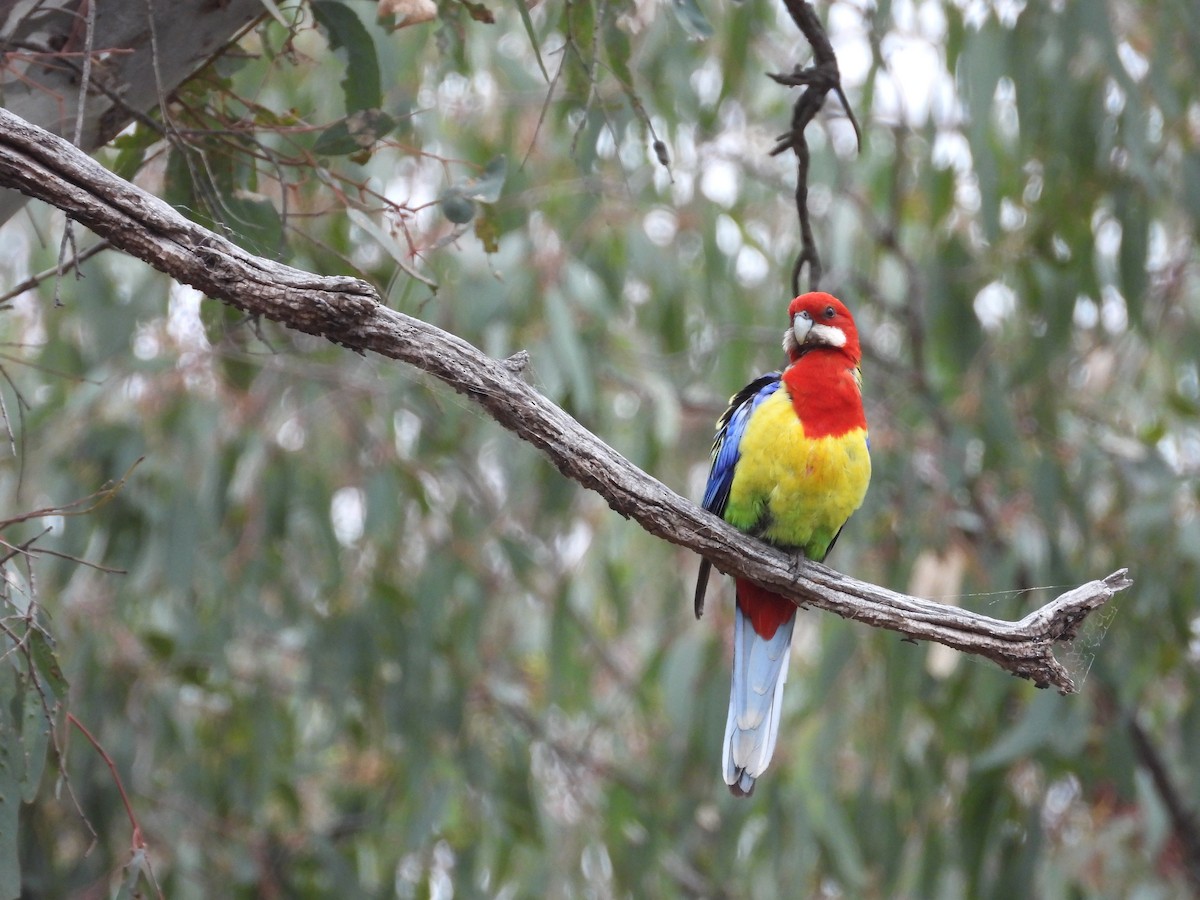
139 842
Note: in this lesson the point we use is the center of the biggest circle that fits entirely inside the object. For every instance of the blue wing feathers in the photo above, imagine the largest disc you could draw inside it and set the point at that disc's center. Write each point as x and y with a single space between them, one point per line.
730 428
725 454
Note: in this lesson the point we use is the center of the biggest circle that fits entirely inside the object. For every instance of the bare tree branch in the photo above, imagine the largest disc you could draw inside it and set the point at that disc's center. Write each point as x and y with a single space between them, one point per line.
348 311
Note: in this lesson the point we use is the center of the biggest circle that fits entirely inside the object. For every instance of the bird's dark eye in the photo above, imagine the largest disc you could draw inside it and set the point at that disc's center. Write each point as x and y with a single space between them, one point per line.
829 313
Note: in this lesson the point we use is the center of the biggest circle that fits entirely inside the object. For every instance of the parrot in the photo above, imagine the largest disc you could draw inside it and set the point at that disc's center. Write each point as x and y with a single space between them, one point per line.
790 464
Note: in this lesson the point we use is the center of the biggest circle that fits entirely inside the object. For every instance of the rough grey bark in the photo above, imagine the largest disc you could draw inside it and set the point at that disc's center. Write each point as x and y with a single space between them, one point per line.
43 45
348 311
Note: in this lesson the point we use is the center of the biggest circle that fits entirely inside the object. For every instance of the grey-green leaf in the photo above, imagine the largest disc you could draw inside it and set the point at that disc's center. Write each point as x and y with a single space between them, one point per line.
35 736
693 19
358 131
11 766
45 659
487 187
348 34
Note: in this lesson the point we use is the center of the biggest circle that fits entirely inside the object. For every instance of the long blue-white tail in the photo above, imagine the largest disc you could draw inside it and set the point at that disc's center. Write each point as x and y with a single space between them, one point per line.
760 667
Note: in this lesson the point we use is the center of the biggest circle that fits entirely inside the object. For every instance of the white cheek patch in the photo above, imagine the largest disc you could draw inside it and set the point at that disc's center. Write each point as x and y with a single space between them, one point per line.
790 344
828 334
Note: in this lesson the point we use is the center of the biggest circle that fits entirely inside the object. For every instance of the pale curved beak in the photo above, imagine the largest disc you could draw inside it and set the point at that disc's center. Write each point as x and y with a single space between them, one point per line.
802 324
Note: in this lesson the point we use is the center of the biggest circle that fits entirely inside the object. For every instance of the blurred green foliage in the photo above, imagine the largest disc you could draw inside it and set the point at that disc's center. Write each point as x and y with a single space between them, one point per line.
368 644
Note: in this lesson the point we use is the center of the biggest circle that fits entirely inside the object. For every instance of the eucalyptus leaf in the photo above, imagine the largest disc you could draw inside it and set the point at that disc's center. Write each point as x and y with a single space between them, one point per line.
487 187
256 224
534 43
47 667
381 237
694 21
36 723
1038 725
358 131
12 766
346 32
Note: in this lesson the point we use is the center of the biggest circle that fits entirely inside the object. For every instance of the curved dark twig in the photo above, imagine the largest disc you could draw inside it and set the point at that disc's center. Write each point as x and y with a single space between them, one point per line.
817 81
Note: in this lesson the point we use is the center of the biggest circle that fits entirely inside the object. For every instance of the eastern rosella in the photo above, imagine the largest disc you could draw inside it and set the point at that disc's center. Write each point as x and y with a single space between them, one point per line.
789 466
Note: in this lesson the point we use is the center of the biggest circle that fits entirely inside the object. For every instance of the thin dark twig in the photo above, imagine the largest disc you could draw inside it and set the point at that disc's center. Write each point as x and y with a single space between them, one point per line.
34 280
85 82
8 425
78 560
68 238
24 547
138 840
138 849
22 405
816 81
80 507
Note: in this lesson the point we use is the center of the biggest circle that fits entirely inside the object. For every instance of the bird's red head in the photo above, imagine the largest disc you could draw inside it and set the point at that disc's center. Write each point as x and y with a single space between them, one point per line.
820 321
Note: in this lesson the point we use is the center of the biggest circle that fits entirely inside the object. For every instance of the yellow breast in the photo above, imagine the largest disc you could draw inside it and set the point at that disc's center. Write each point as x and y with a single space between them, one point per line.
793 490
